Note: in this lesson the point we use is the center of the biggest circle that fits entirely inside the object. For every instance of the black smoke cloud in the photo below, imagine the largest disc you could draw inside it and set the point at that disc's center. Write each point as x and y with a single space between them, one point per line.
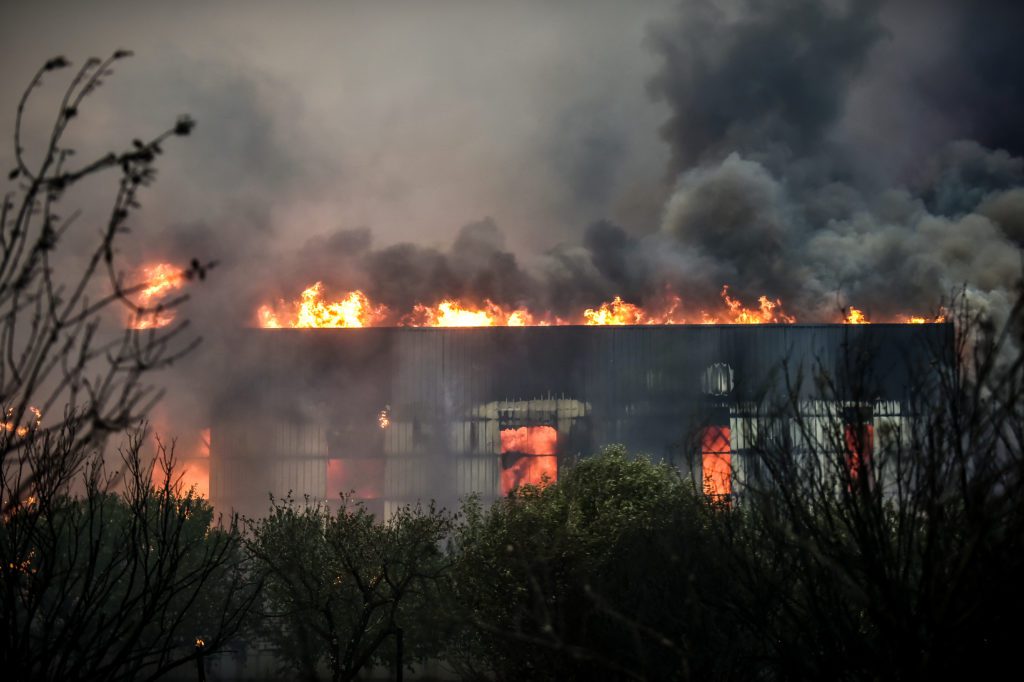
775 194
476 266
976 80
766 80
964 173
862 152
769 192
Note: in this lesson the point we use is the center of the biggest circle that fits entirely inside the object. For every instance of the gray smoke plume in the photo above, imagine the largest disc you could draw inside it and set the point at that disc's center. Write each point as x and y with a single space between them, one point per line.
776 188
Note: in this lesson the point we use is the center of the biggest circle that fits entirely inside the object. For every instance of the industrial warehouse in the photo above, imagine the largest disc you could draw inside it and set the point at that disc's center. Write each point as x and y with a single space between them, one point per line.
400 415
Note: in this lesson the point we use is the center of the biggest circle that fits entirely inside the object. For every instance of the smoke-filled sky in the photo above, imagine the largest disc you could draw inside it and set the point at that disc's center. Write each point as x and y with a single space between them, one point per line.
554 154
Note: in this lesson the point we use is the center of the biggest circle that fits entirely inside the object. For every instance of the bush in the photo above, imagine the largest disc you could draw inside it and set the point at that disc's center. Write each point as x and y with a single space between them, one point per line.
615 571
338 586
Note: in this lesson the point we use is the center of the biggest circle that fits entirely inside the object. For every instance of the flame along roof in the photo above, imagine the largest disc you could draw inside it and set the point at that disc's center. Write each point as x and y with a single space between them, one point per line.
689 325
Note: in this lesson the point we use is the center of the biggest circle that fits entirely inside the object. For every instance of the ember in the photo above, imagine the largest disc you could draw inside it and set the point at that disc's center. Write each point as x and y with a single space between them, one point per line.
22 430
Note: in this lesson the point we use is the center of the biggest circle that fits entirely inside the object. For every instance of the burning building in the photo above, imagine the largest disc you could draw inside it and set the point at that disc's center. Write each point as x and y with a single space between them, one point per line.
400 414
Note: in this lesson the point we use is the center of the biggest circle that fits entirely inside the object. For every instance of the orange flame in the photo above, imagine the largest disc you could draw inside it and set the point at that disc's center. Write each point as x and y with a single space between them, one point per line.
619 312
529 457
716 462
160 280
921 319
191 462
312 311
768 312
855 316
530 440
452 313
355 309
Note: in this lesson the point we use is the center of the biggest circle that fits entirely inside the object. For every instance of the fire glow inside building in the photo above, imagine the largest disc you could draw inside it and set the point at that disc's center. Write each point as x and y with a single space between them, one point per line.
399 415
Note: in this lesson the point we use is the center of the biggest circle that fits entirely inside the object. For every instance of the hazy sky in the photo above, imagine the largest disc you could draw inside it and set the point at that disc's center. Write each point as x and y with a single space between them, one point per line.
410 118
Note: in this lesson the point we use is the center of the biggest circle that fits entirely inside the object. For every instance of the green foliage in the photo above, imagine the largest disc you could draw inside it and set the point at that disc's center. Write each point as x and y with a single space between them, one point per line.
339 584
615 571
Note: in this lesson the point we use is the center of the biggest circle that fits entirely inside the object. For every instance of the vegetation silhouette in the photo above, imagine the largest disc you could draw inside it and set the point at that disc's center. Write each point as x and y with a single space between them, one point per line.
106 573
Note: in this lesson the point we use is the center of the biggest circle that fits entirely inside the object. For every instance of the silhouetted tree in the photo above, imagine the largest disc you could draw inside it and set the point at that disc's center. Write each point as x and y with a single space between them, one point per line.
339 585
101 577
904 565
58 357
613 572
109 585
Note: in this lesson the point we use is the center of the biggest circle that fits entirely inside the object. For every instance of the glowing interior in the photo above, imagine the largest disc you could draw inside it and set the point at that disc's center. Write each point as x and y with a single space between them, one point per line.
529 457
716 461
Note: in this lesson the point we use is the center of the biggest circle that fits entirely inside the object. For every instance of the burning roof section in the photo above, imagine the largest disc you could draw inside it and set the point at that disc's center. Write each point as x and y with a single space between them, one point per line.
316 309
313 309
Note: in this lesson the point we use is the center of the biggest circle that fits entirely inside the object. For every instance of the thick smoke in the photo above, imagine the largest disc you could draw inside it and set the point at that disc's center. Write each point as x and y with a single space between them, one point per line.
776 192
863 152
773 191
766 80
976 80
828 153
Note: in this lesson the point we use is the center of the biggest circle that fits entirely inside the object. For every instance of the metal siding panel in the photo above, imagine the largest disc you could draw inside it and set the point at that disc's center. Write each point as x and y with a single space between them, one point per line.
642 385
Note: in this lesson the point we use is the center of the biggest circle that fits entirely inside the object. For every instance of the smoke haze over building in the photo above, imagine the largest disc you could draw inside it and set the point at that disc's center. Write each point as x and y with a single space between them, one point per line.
555 155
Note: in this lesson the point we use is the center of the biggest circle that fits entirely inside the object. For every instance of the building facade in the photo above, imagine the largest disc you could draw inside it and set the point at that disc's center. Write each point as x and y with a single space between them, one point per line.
399 415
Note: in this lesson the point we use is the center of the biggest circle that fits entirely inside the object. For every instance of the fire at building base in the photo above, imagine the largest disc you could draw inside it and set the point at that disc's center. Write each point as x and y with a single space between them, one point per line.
400 415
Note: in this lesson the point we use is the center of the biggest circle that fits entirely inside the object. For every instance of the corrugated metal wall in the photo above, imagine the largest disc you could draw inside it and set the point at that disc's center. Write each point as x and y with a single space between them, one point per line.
299 397
266 456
